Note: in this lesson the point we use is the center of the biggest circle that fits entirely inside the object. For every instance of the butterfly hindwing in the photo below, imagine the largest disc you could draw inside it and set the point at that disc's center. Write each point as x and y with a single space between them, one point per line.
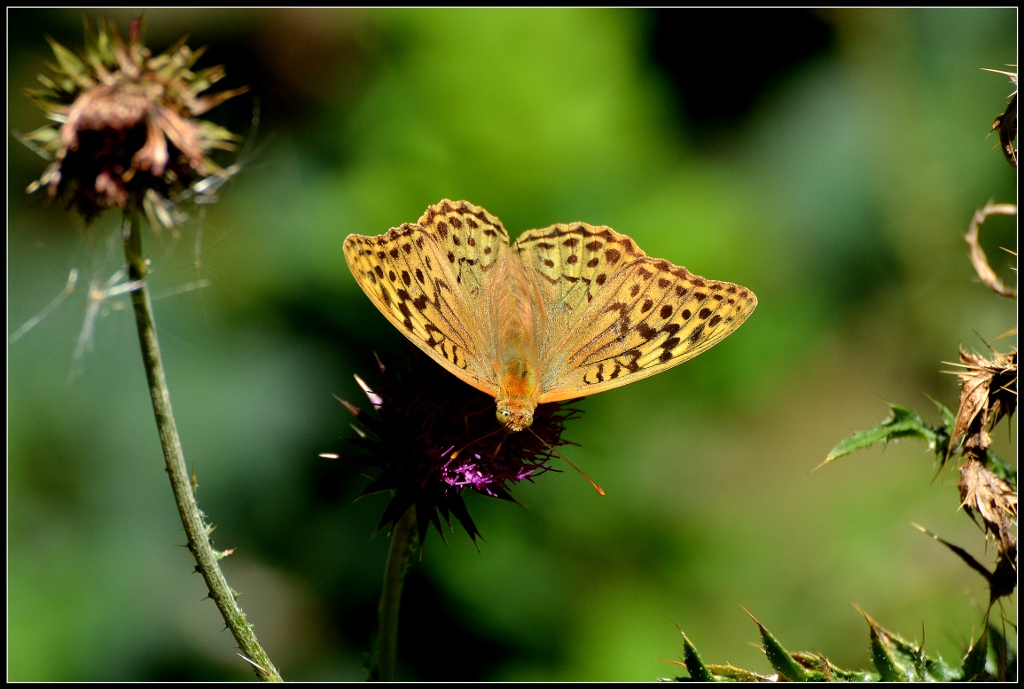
430 280
615 315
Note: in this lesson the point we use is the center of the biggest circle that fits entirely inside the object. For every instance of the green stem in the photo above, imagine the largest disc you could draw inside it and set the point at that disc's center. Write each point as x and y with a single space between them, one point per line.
386 646
195 529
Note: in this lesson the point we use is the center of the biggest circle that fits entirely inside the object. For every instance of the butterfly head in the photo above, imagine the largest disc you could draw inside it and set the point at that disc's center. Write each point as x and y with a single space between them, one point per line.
518 393
514 419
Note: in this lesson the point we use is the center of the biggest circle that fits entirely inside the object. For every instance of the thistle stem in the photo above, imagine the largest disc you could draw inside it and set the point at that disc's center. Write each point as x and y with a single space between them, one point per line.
386 646
191 518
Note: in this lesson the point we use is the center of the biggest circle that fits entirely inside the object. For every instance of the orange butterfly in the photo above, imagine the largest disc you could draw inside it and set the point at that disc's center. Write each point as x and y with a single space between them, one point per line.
565 312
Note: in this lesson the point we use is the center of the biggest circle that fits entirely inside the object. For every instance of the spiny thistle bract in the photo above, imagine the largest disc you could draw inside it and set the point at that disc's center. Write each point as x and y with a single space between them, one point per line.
125 125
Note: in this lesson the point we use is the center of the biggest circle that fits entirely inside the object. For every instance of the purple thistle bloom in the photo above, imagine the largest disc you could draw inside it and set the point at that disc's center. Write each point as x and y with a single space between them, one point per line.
433 437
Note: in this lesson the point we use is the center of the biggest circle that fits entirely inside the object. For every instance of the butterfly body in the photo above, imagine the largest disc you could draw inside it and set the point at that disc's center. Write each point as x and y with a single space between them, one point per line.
564 312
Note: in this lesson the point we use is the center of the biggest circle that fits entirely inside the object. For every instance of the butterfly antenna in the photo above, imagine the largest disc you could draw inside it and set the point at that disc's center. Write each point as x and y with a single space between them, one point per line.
455 455
599 489
500 443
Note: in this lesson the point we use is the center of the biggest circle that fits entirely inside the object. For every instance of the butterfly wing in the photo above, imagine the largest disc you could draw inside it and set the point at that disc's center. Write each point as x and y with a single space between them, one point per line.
429 280
616 315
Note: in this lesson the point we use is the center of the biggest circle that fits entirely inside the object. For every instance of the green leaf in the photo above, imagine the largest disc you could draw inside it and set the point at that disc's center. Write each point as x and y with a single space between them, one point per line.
779 657
973 667
694 665
903 423
910 657
947 416
1002 469
939 671
883 658
1004 654
825 670
737 674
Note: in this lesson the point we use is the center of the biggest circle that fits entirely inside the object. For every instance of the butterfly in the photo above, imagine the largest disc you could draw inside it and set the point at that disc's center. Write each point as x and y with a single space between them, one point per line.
564 312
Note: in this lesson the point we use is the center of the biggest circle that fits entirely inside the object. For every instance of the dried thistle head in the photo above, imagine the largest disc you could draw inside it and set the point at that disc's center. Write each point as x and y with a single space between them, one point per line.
125 127
993 499
988 393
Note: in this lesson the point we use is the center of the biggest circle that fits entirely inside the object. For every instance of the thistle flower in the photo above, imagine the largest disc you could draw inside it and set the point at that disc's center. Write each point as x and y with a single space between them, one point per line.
434 437
126 128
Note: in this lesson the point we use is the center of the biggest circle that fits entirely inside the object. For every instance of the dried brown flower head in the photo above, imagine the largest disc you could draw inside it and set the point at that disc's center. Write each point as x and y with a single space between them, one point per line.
126 128
988 393
994 500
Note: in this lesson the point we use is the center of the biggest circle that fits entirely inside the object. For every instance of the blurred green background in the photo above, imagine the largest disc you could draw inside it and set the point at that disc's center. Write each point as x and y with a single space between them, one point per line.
830 161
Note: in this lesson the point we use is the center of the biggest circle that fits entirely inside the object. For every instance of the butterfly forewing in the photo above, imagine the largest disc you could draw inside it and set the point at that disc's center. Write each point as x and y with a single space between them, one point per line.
430 280
616 315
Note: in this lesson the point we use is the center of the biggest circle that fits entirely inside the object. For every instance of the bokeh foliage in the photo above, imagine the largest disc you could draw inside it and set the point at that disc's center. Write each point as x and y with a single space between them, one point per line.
839 192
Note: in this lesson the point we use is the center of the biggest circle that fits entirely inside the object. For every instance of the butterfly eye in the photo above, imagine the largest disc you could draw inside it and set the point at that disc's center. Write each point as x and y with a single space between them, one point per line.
503 415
